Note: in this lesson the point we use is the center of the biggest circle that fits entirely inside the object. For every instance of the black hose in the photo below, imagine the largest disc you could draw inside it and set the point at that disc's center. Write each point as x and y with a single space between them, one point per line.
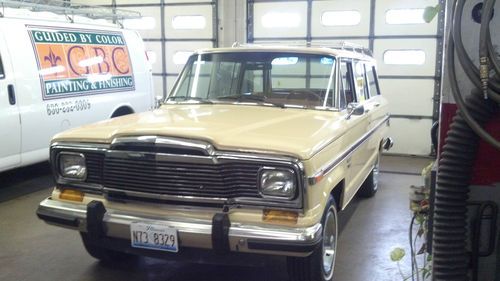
467 65
455 170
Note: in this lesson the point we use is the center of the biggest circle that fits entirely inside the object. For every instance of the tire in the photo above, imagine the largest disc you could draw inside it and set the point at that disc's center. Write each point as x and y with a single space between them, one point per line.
319 266
370 185
103 254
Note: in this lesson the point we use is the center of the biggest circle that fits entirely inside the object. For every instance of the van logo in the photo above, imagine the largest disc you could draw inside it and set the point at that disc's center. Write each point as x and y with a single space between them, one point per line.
73 61
52 58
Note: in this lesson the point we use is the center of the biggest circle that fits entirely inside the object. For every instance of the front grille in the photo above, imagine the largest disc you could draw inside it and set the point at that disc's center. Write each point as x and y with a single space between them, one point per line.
194 174
228 180
94 163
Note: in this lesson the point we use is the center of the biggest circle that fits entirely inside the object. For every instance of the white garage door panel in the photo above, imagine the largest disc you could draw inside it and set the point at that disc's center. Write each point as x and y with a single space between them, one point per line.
170 83
154 12
411 136
326 43
196 10
360 29
383 28
155 47
171 48
267 13
408 96
158 84
426 69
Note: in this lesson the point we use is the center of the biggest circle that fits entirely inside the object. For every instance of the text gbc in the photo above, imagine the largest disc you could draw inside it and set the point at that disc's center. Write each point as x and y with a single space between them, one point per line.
109 48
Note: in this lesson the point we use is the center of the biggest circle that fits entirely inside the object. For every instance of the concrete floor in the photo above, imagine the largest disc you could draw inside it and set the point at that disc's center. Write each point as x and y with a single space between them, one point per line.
32 250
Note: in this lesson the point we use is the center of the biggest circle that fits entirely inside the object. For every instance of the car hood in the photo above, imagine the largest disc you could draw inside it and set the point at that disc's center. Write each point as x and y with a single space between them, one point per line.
288 131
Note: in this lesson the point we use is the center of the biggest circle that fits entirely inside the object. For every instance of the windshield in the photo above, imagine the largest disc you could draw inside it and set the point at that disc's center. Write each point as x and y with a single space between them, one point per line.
267 78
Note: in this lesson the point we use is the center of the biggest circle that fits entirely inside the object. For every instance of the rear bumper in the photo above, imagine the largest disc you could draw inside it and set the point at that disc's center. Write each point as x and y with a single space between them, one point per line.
388 143
218 235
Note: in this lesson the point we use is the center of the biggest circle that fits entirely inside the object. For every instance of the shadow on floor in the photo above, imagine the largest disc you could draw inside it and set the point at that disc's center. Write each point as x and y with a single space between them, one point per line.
18 182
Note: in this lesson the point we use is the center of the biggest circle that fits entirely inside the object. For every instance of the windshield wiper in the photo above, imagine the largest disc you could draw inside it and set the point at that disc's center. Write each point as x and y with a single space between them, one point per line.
187 98
242 98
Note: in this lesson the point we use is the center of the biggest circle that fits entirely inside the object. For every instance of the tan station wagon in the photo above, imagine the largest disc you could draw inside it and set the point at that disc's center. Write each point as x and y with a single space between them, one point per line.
255 150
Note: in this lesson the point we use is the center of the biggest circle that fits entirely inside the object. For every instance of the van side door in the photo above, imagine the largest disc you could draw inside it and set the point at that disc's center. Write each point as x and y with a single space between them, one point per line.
10 120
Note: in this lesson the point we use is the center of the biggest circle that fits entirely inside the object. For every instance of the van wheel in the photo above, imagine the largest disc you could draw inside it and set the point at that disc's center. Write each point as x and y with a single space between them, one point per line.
122 111
370 185
103 254
320 264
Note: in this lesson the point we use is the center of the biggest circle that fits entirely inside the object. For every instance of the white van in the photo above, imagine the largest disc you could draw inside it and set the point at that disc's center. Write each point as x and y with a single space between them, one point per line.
56 74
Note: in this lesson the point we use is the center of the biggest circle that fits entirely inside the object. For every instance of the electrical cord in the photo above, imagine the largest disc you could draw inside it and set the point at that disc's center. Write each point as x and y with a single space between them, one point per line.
412 250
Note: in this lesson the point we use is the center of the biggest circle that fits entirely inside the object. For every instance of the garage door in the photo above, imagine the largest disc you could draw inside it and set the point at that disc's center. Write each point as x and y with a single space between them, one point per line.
172 30
407 49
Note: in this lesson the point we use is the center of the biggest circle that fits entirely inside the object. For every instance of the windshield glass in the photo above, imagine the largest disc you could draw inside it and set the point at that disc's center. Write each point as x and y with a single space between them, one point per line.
268 78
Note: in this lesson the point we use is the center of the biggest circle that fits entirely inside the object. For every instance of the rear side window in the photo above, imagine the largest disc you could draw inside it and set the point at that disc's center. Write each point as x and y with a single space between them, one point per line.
2 74
346 86
372 80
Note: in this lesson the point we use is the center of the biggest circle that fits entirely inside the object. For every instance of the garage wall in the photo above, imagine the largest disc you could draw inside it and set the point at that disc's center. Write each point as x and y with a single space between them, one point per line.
408 51
171 30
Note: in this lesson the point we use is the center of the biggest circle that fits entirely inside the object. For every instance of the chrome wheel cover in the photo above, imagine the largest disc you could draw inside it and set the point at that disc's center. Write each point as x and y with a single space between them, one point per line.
376 171
329 243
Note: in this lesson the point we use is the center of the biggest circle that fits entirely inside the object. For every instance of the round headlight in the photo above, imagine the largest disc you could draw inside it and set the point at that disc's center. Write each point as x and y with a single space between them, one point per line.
277 182
72 165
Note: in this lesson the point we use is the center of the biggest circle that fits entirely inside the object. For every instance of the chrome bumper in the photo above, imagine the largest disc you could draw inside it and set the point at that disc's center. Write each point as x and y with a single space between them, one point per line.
388 143
193 233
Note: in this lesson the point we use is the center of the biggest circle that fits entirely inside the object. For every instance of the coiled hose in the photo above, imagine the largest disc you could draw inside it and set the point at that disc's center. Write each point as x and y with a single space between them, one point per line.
455 171
450 255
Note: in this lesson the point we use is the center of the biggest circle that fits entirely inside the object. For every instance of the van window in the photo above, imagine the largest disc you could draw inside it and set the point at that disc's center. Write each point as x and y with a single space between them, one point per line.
346 86
360 81
372 81
2 74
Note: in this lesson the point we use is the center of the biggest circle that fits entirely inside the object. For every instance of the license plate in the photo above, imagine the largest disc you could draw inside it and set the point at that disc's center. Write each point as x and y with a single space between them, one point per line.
153 236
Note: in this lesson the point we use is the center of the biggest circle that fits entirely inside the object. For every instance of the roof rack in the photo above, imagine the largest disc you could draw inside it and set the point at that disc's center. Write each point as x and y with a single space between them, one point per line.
342 45
70 9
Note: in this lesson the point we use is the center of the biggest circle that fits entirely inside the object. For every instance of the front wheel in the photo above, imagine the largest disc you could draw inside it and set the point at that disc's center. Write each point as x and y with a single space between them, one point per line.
320 264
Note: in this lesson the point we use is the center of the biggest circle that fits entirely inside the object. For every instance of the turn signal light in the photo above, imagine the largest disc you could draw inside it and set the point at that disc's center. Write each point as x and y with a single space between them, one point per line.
72 195
280 217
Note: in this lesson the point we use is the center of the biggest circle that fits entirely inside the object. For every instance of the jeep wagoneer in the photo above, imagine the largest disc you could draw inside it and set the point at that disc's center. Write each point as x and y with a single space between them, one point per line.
255 150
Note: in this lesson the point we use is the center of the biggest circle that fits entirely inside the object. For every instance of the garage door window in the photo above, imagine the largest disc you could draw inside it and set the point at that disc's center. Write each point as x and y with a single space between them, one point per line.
181 57
189 22
405 16
404 57
340 18
280 20
144 23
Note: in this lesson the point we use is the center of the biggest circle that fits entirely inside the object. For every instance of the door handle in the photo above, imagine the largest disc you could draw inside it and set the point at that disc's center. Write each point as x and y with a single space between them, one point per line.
12 94
377 104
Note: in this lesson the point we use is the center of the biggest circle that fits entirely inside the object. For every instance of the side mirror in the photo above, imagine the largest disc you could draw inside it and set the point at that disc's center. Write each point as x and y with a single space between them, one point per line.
354 109
158 101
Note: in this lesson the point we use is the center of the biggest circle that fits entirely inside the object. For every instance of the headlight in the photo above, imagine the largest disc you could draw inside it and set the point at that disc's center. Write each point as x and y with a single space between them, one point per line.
72 165
277 182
